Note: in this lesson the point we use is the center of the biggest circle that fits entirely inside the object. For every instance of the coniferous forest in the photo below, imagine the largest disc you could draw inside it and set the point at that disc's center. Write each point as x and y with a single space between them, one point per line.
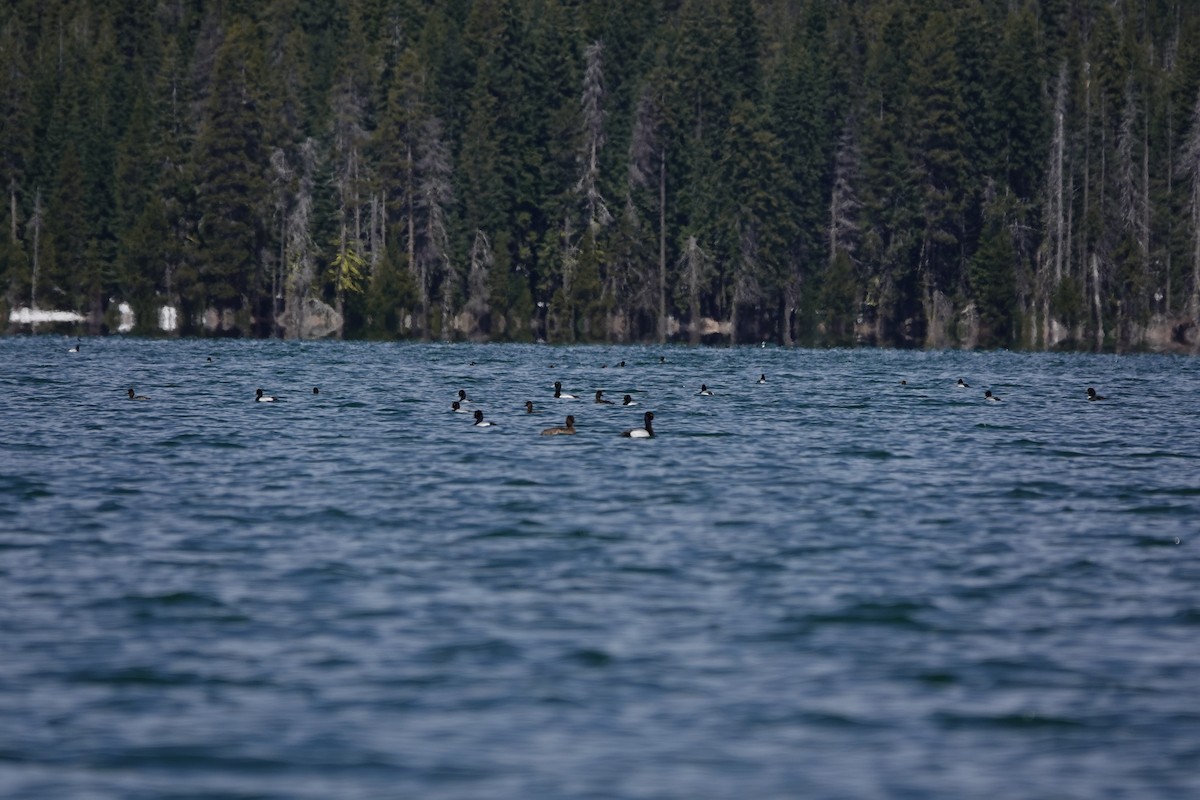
970 173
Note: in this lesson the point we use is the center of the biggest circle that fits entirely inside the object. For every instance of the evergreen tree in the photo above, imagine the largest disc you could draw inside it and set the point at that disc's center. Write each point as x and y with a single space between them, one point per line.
229 155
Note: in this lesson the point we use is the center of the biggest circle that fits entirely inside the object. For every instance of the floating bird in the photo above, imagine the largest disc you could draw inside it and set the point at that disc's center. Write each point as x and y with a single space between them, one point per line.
962 384
134 396
259 397
75 349
1091 393
457 408
704 391
564 431
316 390
600 398
480 422
462 396
628 401
762 378
529 407
644 432
558 392
989 396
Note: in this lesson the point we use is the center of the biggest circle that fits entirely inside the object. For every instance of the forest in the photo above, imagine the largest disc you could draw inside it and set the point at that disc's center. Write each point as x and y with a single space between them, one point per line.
948 173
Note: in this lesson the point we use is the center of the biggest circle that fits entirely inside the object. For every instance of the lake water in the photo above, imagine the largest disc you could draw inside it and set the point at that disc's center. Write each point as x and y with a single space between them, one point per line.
831 585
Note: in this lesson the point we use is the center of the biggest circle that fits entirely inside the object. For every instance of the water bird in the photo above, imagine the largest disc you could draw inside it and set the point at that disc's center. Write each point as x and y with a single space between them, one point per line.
762 378
989 396
316 390
529 407
75 349
600 398
563 431
1091 393
644 432
457 408
628 401
903 382
480 422
134 396
462 396
704 391
560 395
962 384
259 397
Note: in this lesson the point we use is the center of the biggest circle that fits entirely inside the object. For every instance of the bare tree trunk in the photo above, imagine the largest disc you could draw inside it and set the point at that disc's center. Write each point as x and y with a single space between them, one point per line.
434 195
1191 164
1084 245
596 210
662 246
482 261
1055 227
410 223
36 223
843 204
692 266
789 308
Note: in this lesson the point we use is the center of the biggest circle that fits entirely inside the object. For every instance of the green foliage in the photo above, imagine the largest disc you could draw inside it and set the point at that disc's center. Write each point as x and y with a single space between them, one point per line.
991 274
838 295
229 160
346 272
148 129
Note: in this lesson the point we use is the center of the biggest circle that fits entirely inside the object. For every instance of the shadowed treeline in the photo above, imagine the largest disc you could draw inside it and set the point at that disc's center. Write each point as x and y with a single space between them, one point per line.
977 174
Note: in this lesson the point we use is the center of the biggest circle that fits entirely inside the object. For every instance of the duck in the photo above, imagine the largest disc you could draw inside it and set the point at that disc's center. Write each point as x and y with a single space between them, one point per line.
762 378
1091 393
962 384
462 396
529 407
903 382
316 390
480 422
75 349
259 397
629 401
644 432
600 398
989 396
567 430
457 408
560 395
704 391
134 396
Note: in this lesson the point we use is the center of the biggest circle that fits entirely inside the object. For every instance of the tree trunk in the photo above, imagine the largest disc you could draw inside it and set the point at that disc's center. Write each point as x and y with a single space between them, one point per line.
662 246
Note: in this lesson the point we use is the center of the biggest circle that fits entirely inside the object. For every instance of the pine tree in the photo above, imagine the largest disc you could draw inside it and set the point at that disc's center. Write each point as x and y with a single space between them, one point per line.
229 155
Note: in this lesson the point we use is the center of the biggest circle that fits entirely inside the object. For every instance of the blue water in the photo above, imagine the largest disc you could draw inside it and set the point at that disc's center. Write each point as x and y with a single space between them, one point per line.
828 586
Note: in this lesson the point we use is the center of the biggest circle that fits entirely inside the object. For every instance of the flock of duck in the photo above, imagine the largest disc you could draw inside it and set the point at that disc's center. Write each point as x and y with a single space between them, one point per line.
646 431
568 428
